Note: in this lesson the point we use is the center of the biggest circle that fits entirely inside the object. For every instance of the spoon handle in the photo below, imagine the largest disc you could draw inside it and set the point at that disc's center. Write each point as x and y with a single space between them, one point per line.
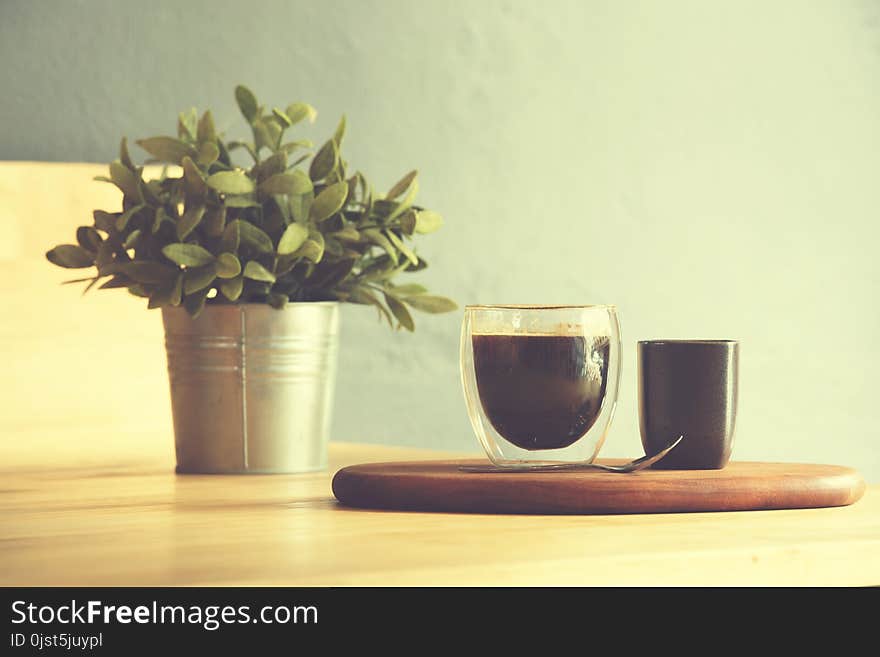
633 466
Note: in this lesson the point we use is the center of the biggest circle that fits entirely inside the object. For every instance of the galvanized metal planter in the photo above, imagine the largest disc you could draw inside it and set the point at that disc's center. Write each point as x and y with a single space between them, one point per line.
252 386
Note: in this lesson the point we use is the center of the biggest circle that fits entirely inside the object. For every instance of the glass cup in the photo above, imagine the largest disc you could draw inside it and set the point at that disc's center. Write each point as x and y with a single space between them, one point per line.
540 382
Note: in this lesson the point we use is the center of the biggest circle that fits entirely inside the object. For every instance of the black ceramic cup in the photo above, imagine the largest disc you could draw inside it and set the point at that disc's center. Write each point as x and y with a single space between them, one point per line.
688 388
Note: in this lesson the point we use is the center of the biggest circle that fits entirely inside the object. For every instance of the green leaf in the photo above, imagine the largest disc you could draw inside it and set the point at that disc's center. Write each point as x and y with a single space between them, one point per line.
295 182
70 256
340 133
231 288
168 294
275 163
189 255
334 247
329 201
116 281
177 291
224 154
228 266
377 268
282 117
316 236
430 304
151 191
132 238
383 208
105 258
244 201
352 190
123 219
368 201
401 185
376 237
364 296
247 102
325 277
400 246
400 312
277 215
78 280
125 180
167 149
137 289
208 153
285 263
124 156
324 162
186 124
363 185
257 272
266 134
293 146
347 234
423 264
409 290
300 207
89 238
311 250
427 221
407 222
296 112
407 200
231 182
231 237
293 238
195 303
254 237
214 221
94 282
193 180
189 221
206 130
104 220
160 217
198 278
144 271
386 272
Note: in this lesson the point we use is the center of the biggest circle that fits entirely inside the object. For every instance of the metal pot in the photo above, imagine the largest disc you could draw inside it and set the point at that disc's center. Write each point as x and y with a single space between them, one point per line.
252 386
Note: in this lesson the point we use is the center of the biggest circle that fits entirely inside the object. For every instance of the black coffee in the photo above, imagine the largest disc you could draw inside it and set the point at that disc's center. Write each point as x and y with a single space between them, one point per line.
541 391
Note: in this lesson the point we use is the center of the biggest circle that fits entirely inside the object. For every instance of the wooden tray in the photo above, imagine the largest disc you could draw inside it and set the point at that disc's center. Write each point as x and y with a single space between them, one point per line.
741 486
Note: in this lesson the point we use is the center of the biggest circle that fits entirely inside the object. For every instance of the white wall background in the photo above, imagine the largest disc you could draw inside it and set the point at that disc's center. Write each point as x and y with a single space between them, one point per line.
713 168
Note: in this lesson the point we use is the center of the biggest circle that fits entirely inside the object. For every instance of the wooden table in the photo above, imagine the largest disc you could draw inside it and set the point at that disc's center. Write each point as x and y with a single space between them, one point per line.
88 495
129 520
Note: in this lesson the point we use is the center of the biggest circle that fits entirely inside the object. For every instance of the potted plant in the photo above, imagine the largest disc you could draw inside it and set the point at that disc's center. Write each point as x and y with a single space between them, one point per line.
249 265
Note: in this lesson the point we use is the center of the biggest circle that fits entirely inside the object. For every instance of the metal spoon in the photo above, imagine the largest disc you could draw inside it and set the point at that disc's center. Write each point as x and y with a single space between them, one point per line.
632 466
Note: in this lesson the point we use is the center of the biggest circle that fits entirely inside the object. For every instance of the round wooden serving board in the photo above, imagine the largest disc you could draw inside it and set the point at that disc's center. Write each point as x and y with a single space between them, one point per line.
741 486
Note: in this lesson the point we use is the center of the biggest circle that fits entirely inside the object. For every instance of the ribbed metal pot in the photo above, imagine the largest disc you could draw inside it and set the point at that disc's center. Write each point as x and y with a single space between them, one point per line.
252 386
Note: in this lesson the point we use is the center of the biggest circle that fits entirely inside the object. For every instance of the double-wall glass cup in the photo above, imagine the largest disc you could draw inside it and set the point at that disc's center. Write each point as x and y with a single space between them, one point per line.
540 382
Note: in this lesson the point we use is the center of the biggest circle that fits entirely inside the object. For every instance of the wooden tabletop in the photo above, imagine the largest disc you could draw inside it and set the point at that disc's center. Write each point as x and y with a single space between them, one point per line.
129 520
88 495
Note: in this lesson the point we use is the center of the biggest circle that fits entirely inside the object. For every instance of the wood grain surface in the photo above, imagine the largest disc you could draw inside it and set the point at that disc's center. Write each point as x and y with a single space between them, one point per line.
129 520
88 494
741 486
